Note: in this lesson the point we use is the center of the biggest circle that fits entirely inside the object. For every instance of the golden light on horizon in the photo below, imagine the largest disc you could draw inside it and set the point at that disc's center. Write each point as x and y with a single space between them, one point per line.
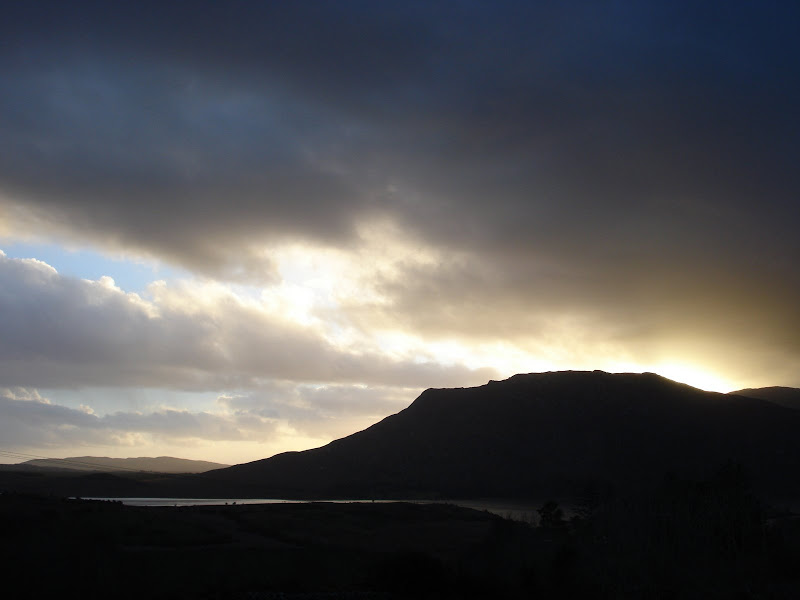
694 376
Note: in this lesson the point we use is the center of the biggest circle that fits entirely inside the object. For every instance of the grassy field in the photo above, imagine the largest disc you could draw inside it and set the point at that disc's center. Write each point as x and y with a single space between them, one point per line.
684 540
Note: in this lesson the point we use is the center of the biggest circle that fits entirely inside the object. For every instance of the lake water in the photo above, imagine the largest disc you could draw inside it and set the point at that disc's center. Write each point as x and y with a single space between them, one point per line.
517 512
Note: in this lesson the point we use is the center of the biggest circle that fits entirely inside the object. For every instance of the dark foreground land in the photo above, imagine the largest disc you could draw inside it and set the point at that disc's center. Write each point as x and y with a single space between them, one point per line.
683 539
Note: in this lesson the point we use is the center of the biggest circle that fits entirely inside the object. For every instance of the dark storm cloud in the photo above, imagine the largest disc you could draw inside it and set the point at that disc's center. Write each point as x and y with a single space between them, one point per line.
189 131
635 162
164 124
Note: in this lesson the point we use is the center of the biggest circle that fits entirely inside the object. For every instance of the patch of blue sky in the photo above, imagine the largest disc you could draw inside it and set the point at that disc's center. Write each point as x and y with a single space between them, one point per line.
131 275
107 400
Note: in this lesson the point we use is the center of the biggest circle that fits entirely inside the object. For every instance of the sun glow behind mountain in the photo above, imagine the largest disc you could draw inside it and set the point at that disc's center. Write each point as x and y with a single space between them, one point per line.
696 377
276 232
316 281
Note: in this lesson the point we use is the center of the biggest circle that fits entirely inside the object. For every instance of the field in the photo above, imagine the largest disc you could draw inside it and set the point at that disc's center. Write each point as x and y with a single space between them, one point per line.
685 540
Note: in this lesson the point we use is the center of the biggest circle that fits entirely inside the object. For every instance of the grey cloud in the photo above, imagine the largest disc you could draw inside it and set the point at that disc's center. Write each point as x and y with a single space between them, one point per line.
196 146
282 399
737 319
511 128
33 423
331 411
29 421
194 176
62 332
179 424
630 164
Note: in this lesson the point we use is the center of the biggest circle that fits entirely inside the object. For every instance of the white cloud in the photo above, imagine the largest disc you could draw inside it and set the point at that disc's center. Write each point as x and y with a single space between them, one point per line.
244 426
23 394
58 331
25 422
321 411
286 380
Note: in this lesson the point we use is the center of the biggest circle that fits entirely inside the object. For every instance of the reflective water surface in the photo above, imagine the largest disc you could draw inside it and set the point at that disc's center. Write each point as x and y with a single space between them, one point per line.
517 512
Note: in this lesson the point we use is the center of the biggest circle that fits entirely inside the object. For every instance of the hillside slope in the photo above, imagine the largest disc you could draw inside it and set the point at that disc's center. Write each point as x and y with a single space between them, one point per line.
547 433
785 396
161 464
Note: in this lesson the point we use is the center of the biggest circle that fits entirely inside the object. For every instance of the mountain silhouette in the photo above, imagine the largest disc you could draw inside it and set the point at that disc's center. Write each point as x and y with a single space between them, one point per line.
161 464
542 434
785 396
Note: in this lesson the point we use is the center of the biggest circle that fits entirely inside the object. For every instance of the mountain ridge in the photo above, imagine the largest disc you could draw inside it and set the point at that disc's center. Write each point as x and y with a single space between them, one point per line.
540 433
784 396
160 464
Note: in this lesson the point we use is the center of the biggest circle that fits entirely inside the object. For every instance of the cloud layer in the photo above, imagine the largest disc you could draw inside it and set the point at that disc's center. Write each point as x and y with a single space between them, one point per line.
64 332
577 183
568 135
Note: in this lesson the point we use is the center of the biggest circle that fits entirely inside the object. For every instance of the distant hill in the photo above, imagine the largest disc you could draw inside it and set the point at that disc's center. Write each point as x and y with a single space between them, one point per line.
542 434
161 464
785 396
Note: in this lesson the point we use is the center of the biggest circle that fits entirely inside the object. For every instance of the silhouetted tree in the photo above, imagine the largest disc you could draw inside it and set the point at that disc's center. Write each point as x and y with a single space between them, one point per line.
550 515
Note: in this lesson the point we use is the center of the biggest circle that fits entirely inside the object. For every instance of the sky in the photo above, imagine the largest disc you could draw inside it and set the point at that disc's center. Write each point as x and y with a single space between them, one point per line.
234 229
